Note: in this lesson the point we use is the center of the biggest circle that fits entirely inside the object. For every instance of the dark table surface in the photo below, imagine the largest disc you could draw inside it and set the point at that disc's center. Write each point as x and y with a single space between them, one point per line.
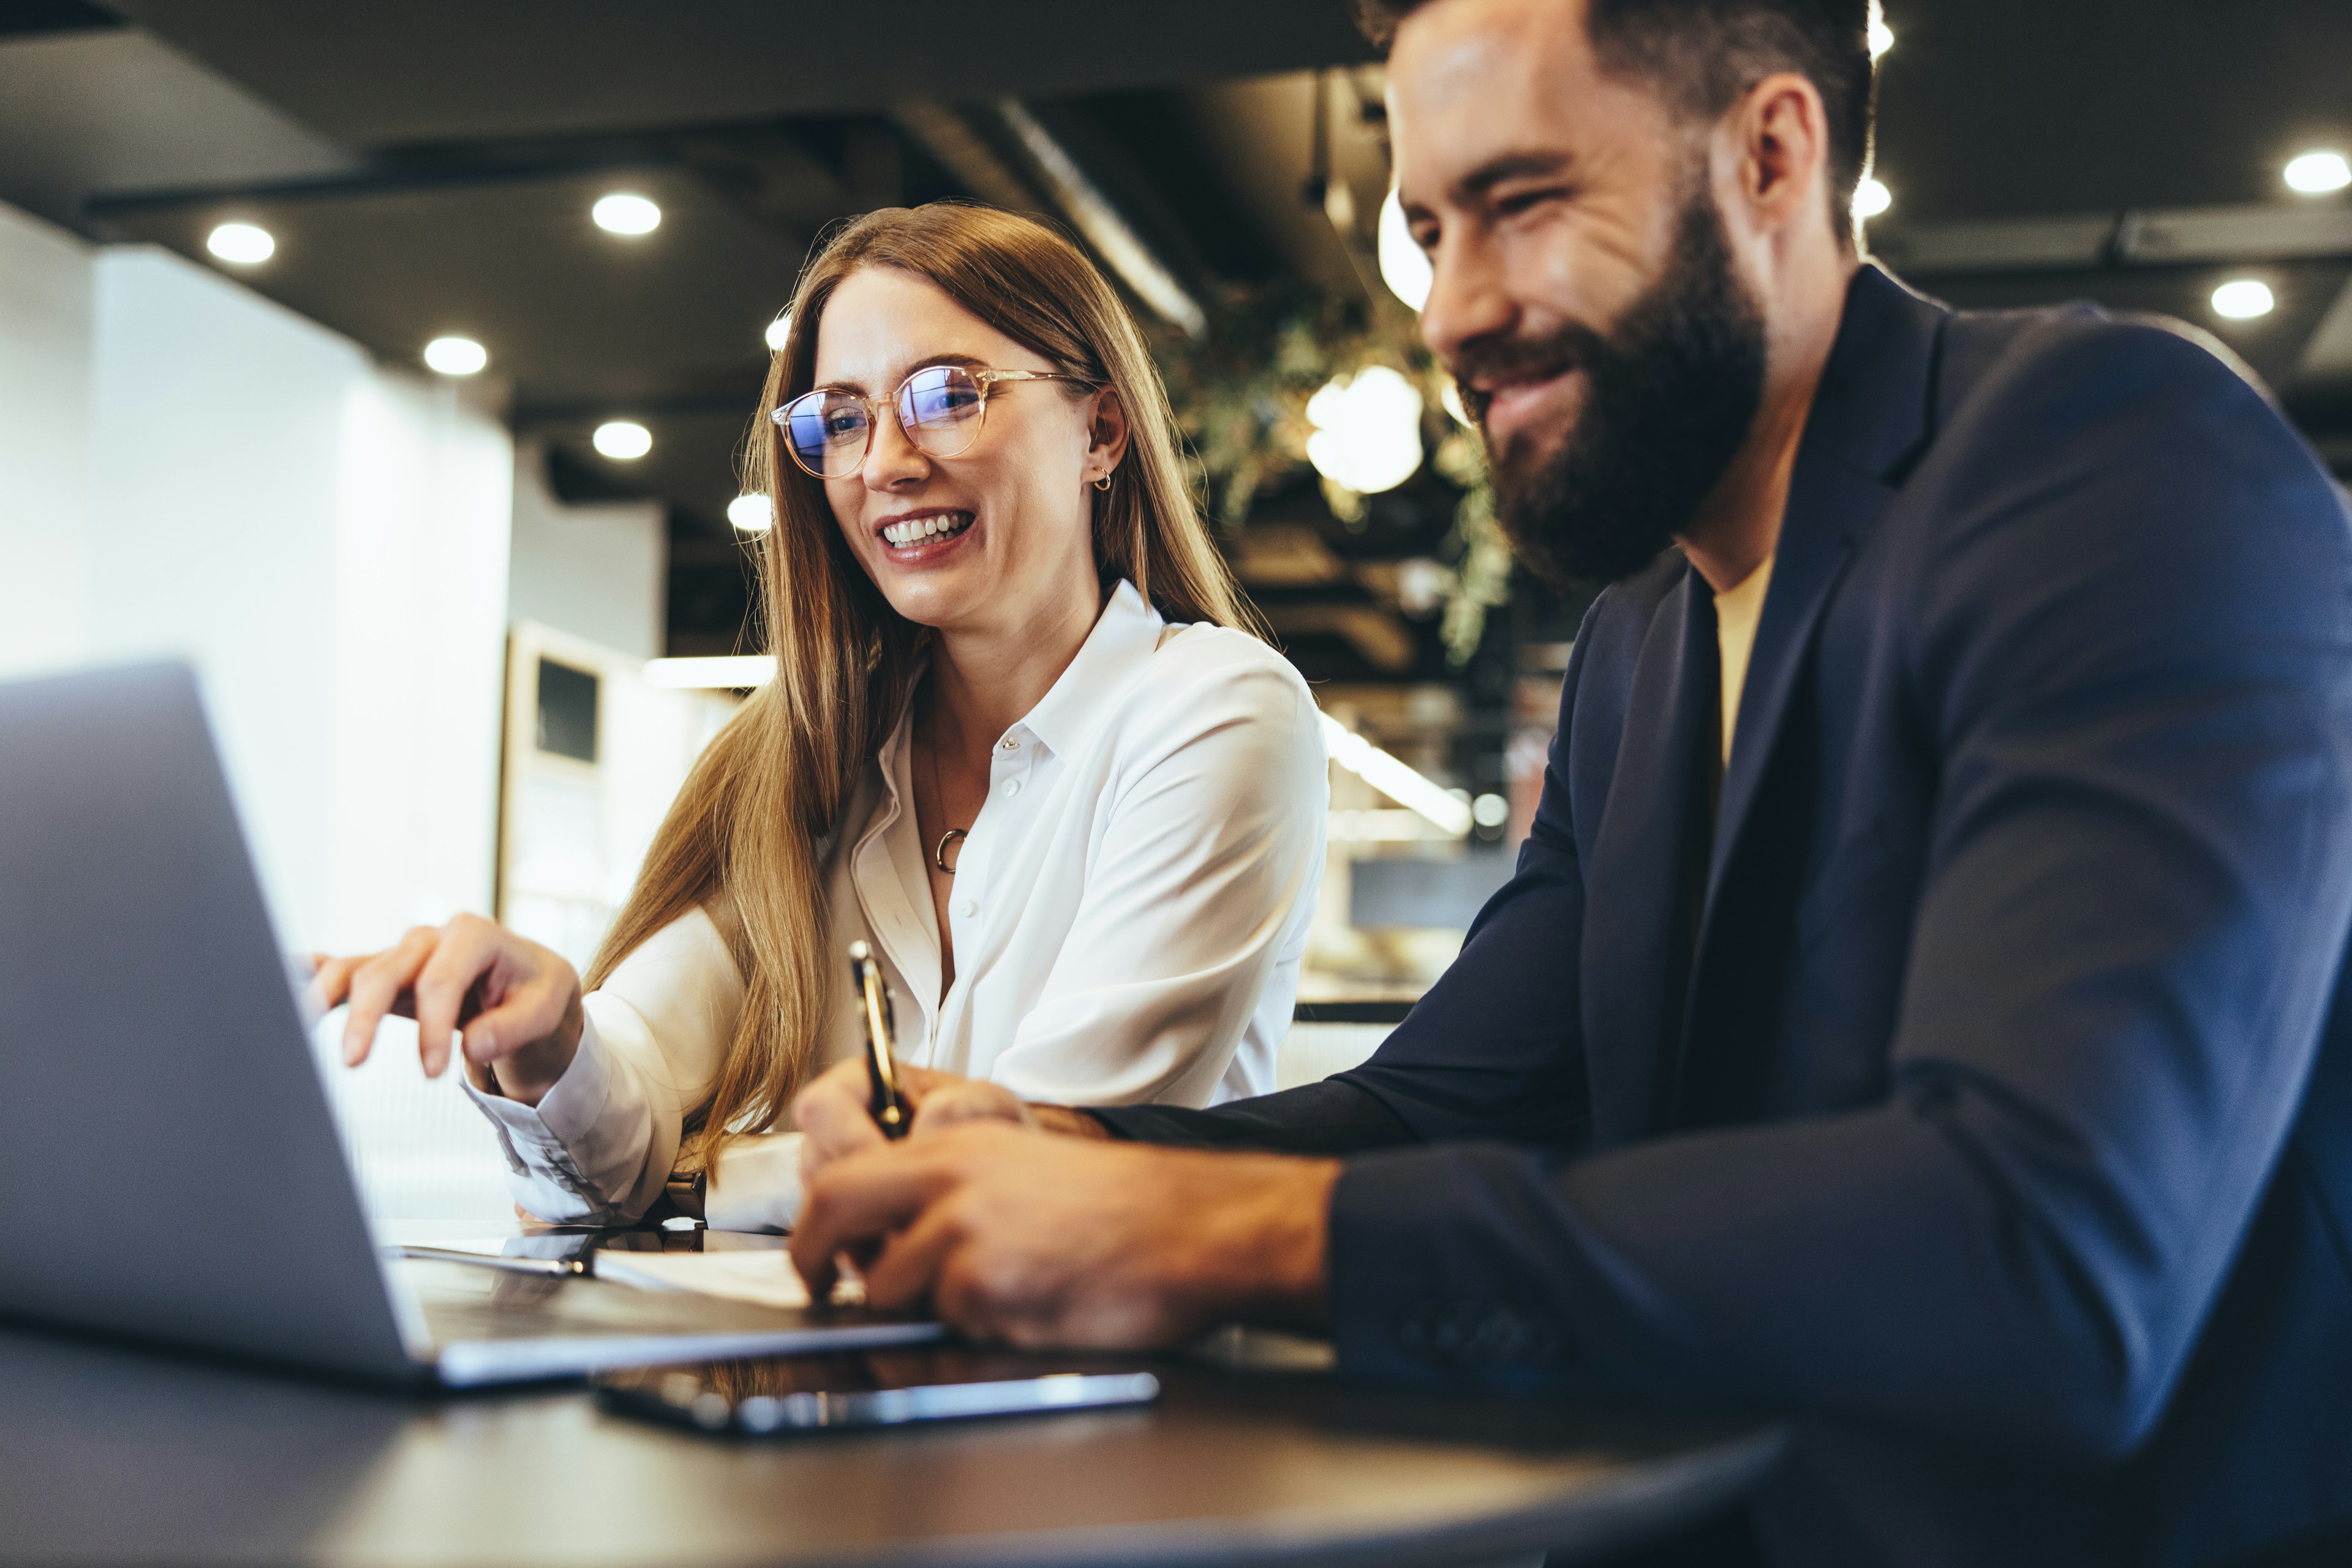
112 1453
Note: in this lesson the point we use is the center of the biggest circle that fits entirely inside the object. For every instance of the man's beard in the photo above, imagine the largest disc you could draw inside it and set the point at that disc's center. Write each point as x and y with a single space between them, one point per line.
1670 394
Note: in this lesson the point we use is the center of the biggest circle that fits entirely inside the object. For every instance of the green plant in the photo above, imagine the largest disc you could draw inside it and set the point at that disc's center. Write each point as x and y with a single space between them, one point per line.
1240 392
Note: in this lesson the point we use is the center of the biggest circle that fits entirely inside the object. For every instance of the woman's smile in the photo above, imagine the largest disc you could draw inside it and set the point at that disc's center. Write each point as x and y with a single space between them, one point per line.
921 537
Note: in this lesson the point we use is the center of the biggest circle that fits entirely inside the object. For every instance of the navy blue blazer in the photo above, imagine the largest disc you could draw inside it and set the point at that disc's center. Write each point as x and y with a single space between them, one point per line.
1996 1123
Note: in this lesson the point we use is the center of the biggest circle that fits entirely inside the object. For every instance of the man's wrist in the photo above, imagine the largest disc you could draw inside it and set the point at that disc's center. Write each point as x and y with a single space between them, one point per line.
1266 1248
1069 1121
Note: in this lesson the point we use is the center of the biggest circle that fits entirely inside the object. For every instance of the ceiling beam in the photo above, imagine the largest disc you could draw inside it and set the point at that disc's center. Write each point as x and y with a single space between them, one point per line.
953 143
1105 228
2329 351
2148 237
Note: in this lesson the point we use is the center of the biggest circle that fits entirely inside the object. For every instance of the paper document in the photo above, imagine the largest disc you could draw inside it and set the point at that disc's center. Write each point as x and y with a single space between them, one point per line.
765 1276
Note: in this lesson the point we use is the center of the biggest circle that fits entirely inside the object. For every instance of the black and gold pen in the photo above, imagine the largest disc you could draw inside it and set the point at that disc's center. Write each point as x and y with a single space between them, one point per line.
881 1070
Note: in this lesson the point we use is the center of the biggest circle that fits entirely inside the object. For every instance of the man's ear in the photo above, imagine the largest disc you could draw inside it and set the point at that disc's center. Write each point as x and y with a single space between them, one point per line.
1784 132
1107 430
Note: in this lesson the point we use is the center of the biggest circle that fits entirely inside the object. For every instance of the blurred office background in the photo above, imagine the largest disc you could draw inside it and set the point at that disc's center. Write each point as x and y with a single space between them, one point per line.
393 360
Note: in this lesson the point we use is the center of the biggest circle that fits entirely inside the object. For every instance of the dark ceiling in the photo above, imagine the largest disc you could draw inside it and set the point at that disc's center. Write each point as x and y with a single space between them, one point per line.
2025 108
427 166
398 72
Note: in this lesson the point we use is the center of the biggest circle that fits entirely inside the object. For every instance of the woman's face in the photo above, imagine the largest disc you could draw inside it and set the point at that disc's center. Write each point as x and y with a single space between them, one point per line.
1018 542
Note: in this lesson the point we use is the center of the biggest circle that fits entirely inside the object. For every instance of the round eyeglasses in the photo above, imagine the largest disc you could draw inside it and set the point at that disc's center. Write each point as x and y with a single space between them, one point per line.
940 407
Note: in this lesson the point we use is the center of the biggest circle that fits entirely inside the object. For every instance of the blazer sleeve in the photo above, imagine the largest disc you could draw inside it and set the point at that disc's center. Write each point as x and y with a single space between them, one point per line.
2130 653
1494 1049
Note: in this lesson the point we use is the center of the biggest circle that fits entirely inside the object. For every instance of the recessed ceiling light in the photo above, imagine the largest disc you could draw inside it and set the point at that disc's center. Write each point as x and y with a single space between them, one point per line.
621 213
2243 299
2316 173
749 514
1882 36
1871 198
779 331
241 243
455 356
622 440
1404 266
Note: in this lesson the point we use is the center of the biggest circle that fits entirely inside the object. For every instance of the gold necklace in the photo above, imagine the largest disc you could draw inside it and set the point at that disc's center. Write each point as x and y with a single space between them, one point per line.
940 793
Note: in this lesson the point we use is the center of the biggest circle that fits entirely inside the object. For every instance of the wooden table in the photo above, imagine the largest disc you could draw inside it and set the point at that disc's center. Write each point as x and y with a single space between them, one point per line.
110 1454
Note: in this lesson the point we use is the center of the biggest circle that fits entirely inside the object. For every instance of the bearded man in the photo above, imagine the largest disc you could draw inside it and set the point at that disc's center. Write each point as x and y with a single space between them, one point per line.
1916 1008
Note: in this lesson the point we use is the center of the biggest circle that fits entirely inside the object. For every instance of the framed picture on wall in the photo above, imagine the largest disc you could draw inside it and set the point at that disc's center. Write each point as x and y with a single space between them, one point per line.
594 756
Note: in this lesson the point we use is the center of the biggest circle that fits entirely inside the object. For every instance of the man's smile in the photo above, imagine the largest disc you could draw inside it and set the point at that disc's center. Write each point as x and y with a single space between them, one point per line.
1541 405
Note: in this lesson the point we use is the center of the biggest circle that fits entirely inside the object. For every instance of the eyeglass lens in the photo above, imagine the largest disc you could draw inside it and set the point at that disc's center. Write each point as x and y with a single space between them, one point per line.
939 407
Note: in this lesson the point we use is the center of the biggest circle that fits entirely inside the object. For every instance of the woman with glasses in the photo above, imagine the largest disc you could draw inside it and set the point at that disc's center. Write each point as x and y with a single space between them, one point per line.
1023 741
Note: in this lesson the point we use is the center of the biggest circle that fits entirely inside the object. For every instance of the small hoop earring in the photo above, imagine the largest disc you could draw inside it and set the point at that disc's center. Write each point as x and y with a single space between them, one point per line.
1103 483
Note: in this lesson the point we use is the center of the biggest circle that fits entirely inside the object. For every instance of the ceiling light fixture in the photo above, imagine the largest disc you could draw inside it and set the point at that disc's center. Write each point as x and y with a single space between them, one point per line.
241 243
622 440
751 514
2243 299
1396 779
622 213
1367 432
455 356
2316 173
780 331
1404 266
1871 198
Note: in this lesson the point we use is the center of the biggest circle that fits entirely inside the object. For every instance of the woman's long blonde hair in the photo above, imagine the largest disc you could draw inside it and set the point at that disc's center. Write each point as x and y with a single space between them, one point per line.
744 836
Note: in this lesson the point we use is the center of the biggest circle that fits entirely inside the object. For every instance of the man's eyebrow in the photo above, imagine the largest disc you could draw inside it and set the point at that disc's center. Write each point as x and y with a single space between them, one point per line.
966 361
1509 166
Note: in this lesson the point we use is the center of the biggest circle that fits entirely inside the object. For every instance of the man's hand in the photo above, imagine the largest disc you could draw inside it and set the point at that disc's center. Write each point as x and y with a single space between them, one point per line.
834 1112
1056 1241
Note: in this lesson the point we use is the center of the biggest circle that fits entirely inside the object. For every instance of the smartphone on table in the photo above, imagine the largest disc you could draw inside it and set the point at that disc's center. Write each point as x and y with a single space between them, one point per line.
784 1395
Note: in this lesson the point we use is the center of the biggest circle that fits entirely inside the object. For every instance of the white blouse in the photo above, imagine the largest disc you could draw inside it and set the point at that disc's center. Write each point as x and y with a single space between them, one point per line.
1130 911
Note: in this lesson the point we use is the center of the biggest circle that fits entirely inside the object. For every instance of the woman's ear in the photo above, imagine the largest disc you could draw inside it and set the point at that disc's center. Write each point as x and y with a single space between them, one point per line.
1106 432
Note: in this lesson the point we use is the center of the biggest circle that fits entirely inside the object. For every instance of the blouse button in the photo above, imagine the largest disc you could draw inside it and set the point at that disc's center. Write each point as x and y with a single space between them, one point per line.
1013 786
969 908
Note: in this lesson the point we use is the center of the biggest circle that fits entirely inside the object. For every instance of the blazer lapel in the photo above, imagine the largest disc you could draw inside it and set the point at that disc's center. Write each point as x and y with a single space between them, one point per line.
1640 885
1870 418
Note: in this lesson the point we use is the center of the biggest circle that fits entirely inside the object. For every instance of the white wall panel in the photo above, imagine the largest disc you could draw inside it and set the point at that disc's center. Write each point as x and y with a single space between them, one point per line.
327 541
596 572
45 356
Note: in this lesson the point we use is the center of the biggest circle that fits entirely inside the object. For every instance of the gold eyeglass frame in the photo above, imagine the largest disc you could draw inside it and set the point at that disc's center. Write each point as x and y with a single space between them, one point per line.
987 378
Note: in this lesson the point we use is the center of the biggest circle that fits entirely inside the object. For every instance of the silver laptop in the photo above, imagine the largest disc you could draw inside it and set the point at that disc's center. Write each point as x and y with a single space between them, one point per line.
161 1104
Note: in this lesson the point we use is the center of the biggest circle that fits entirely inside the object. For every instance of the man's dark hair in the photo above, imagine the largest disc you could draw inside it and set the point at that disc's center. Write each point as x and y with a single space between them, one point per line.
1705 52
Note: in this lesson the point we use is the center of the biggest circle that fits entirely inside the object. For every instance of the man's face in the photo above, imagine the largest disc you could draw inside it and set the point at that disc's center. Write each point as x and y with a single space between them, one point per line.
1585 294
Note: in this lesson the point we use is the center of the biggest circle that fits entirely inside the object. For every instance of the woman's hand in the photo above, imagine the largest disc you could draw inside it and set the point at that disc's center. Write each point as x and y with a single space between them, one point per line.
518 1002
836 1118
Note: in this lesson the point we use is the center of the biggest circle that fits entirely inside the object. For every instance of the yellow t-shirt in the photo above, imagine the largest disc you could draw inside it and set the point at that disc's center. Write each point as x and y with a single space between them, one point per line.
1737 610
